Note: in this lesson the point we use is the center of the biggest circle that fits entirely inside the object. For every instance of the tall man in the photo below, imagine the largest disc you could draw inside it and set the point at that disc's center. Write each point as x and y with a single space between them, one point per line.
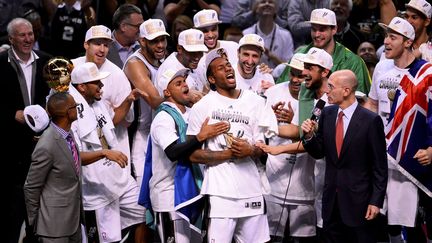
23 85
352 140
110 193
402 192
141 69
324 27
55 177
231 177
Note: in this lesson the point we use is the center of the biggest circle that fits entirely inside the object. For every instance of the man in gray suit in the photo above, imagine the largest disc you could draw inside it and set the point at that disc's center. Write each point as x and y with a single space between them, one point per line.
53 187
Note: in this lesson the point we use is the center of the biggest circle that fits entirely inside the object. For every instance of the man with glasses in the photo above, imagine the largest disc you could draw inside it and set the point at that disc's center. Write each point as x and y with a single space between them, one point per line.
55 173
110 193
126 23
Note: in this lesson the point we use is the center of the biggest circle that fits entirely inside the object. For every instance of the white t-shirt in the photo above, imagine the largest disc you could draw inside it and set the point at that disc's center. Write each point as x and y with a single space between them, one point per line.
386 77
162 180
236 178
254 83
293 170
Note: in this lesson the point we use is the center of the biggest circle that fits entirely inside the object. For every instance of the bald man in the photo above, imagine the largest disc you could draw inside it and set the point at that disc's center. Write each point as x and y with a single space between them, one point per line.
351 138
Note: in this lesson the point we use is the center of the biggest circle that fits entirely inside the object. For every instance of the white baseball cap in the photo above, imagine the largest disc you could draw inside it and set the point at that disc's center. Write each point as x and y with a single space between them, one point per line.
296 61
98 32
420 5
318 57
212 55
401 26
87 72
168 76
192 40
36 117
322 16
152 28
205 18
252 39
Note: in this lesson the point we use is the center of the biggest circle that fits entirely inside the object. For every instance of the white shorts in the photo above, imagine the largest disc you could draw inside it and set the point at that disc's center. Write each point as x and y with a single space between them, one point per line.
119 214
138 153
302 219
253 229
182 231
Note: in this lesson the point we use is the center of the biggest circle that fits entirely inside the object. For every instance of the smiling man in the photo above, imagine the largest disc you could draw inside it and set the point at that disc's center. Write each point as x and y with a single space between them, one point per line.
249 77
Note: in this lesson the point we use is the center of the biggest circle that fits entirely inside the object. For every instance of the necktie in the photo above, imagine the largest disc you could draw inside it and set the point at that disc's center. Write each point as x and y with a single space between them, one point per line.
74 153
339 132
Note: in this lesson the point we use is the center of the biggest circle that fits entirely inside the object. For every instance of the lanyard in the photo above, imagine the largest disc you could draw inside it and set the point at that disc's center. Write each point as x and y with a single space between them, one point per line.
272 38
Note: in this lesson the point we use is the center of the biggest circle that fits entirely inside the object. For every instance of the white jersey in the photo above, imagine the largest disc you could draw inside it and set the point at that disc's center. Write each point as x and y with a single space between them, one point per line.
115 90
289 170
254 83
171 62
162 180
401 207
386 77
104 180
279 41
236 178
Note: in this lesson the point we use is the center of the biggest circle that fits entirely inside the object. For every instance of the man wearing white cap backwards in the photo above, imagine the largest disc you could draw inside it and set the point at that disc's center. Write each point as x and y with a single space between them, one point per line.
401 96
292 184
249 77
170 151
231 176
110 193
323 28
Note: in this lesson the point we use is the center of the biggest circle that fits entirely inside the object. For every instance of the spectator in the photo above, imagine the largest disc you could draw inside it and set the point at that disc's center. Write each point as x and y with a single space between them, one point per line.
182 22
367 52
246 13
173 8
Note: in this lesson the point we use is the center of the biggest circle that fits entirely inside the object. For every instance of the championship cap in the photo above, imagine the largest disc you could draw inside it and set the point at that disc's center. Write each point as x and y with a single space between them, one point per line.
87 72
205 18
318 57
152 28
168 76
98 32
36 117
420 5
192 40
296 61
400 26
252 39
323 16
212 55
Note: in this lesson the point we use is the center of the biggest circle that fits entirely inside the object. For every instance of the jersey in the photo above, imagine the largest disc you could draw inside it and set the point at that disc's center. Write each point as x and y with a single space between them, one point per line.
162 180
254 83
68 30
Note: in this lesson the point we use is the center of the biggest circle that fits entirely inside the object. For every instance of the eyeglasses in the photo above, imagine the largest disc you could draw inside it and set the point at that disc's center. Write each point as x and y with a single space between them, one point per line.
134 25
74 106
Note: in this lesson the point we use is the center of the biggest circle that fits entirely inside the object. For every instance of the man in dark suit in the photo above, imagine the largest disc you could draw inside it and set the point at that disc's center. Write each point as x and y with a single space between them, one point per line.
352 140
53 186
22 85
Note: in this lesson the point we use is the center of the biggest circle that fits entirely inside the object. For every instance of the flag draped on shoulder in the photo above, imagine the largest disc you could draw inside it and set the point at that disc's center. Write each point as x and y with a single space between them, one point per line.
188 203
410 124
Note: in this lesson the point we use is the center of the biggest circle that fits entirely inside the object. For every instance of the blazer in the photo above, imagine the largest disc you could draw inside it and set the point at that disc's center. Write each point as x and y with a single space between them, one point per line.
114 56
12 100
359 176
53 188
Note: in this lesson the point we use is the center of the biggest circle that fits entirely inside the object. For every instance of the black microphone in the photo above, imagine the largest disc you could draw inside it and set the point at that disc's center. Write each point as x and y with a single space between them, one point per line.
316 112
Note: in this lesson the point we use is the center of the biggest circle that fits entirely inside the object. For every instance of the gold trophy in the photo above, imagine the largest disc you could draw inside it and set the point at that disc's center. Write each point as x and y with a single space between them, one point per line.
57 73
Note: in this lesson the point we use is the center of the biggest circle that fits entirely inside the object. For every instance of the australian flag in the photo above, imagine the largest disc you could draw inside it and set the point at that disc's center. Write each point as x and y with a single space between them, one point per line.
410 124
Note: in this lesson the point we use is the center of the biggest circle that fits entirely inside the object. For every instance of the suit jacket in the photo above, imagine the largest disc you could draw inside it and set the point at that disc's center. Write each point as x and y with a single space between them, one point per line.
114 56
53 188
12 100
359 176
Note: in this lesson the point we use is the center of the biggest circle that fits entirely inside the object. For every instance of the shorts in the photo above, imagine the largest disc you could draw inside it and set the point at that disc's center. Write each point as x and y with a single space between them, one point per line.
302 219
119 214
173 228
243 230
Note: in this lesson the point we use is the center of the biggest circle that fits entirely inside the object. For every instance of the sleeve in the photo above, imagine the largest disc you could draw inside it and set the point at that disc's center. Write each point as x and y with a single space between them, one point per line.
315 146
297 21
196 118
360 69
163 122
35 182
377 142
373 93
267 123
282 15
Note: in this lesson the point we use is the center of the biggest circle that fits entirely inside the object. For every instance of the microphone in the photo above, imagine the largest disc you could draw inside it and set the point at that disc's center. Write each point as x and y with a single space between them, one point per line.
316 112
